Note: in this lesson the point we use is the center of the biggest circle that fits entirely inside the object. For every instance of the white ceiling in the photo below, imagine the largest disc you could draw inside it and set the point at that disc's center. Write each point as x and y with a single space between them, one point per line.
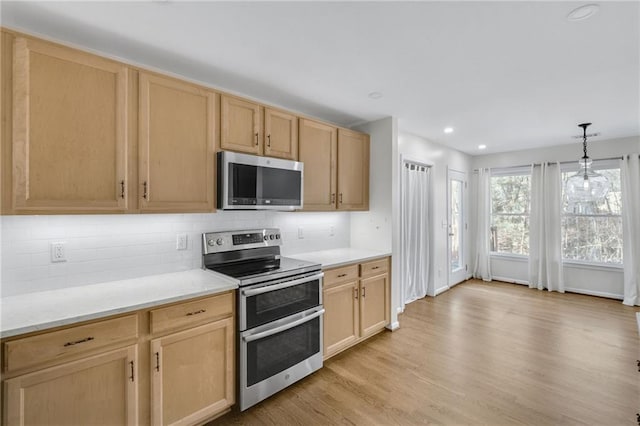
510 75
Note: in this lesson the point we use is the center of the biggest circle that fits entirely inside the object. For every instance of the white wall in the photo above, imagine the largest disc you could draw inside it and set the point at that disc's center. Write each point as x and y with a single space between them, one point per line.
599 281
442 158
103 248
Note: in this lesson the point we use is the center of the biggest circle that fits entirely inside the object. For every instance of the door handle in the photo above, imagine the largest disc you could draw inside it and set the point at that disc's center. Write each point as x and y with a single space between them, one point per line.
283 327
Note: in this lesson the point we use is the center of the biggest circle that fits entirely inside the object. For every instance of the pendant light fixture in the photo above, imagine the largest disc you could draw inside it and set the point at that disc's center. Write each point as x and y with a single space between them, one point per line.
586 186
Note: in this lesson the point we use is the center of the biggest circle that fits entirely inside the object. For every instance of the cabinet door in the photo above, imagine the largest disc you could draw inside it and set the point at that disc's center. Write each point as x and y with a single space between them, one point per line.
340 317
281 134
318 151
374 314
192 374
353 170
69 130
176 145
99 390
241 126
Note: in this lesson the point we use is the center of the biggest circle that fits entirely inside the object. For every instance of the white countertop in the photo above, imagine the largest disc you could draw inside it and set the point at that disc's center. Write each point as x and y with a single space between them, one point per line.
47 309
339 257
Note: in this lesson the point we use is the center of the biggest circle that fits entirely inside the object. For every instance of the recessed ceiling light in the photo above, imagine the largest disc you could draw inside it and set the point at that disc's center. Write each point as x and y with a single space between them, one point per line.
583 12
482 146
375 95
448 129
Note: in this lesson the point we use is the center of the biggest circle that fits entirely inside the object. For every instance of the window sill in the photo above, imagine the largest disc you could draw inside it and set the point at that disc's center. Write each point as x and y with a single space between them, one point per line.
574 264
506 256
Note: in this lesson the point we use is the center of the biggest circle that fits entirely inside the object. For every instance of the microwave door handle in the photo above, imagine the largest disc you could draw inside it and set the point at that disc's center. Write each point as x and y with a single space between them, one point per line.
282 327
268 288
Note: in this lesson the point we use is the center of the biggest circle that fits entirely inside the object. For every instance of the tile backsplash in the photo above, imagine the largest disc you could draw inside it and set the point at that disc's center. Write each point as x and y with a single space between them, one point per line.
102 248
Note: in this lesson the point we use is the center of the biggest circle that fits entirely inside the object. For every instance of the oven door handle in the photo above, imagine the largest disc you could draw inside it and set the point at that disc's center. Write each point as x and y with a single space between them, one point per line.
282 327
268 288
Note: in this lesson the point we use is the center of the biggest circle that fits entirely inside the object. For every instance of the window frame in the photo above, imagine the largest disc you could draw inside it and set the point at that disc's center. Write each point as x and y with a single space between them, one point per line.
509 171
572 167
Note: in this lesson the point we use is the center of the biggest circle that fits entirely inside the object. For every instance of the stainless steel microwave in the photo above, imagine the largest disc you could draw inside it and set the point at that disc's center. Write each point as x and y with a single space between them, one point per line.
250 182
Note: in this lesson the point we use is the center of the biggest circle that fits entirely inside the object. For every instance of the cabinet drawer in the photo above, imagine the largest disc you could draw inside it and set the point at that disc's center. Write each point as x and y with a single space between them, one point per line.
191 313
374 267
58 345
340 275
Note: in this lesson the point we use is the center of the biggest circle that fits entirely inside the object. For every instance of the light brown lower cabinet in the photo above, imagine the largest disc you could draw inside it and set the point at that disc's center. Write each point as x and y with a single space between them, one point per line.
97 390
356 303
192 374
101 372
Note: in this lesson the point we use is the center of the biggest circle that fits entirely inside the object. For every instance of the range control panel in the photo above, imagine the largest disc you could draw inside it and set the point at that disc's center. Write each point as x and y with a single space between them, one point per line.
216 242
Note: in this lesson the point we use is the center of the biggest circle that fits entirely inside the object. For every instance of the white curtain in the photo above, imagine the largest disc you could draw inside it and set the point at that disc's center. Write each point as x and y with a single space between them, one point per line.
630 179
482 267
415 231
545 228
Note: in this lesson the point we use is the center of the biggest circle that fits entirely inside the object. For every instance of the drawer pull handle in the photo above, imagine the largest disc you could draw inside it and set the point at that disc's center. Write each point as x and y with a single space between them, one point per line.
364 292
201 311
157 361
132 375
342 275
376 267
86 339
355 293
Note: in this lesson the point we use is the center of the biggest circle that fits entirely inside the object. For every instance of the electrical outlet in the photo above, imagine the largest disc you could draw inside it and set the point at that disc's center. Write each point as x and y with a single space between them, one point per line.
300 232
181 241
58 253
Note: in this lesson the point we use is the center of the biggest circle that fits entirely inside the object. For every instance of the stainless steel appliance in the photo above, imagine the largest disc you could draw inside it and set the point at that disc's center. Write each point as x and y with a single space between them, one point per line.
279 308
249 182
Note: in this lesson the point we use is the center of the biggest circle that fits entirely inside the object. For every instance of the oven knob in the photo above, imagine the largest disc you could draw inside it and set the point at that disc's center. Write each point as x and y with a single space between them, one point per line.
219 241
271 237
211 242
277 236
266 237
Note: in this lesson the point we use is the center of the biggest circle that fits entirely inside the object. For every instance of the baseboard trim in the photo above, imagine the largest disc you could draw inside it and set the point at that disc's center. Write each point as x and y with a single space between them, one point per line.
510 280
393 326
441 290
594 293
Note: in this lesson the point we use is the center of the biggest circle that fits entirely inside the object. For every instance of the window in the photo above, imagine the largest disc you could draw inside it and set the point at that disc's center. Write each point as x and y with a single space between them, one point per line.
593 233
510 200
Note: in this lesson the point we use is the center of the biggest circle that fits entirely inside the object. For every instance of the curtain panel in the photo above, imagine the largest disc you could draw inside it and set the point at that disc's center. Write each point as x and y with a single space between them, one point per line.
545 228
415 232
482 267
630 180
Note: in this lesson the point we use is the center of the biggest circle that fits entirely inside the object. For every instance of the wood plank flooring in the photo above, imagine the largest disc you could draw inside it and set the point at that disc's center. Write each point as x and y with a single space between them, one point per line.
481 353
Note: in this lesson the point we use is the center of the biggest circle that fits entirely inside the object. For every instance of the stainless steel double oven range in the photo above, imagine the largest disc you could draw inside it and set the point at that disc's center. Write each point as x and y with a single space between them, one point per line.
279 310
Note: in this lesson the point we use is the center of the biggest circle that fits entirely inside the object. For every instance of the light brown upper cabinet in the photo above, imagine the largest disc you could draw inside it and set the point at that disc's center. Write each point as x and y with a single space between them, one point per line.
318 151
281 134
176 145
69 142
241 123
336 167
353 170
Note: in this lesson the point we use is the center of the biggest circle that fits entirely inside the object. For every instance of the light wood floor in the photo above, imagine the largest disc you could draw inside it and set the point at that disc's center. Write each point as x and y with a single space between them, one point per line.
481 353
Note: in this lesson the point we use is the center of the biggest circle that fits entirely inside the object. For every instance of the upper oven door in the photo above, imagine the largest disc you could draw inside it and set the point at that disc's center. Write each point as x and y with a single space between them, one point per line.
252 182
267 302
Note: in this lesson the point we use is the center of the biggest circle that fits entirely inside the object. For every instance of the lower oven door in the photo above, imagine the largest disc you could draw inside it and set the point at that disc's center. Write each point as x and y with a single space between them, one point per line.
278 354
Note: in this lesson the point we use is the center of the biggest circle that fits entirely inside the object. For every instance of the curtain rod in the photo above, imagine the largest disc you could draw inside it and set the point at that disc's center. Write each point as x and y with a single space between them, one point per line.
561 162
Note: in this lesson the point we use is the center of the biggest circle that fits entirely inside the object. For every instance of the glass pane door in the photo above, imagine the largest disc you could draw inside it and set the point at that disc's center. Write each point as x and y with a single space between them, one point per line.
456 227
